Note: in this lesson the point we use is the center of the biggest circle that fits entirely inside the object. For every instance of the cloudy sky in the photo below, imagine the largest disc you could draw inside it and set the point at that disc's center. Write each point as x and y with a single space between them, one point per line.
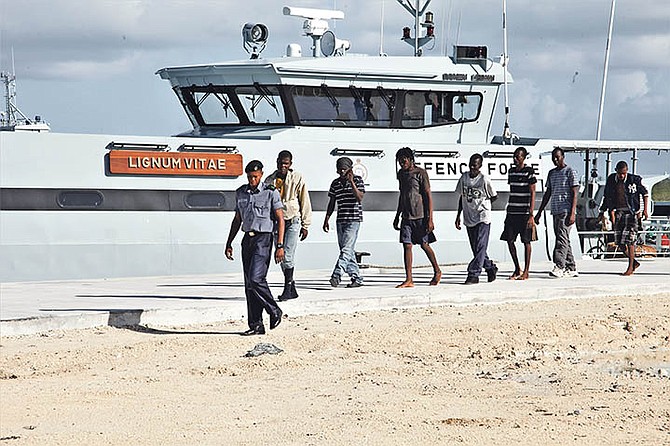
89 65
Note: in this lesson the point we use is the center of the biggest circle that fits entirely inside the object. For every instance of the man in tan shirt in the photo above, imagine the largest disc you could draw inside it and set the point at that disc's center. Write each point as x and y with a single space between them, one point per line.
297 215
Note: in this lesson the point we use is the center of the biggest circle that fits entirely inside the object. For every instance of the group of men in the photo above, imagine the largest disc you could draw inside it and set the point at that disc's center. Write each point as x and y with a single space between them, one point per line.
278 212
623 194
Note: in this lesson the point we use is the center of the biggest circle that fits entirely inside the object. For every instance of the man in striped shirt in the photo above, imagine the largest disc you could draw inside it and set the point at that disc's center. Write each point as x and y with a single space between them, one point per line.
519 219
562 188
347 192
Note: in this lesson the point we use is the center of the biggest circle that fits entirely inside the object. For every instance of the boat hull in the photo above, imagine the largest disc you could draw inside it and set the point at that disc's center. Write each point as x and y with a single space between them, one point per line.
145 227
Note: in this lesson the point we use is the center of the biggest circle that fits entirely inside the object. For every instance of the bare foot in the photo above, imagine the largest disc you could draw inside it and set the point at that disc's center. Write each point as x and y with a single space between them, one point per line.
515 275
628 272
436 278
523 276
406 284
636 264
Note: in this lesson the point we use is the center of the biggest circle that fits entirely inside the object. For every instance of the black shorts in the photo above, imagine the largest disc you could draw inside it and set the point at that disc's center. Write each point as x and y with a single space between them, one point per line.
414 232
516 224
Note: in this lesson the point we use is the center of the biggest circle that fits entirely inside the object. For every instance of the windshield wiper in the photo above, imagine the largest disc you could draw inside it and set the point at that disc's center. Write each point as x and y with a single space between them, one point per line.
333 100
265 94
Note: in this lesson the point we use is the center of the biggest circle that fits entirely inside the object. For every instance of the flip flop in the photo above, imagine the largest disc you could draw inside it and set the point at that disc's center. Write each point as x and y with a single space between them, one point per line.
514 277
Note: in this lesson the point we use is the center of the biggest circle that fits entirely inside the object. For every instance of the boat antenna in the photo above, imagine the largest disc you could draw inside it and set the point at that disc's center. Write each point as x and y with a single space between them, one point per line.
458 26
444 31
604 85
605 69
381 32
507 134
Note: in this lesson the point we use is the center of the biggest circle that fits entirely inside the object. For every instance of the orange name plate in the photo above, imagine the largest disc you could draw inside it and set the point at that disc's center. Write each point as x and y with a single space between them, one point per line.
130 162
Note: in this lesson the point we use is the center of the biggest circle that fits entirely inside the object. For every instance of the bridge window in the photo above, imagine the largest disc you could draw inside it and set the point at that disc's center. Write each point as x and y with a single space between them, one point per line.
215 107
431 108
242 105
348 107
261 104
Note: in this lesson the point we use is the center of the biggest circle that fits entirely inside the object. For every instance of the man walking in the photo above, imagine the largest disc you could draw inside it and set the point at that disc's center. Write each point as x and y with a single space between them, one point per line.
297 215
562 187
476 195
256 207
347 192
519 220
415 205
622 198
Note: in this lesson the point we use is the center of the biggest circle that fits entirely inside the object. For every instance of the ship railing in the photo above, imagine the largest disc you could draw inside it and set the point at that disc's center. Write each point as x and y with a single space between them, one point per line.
654 241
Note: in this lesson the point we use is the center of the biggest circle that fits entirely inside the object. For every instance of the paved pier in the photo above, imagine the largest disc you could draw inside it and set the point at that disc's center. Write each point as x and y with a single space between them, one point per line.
34 307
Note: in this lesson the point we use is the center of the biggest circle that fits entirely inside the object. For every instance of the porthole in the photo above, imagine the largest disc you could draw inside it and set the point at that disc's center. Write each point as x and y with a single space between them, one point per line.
205 200
87 199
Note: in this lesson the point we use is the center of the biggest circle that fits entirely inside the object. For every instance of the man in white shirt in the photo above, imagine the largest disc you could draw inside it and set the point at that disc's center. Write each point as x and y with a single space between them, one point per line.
477 194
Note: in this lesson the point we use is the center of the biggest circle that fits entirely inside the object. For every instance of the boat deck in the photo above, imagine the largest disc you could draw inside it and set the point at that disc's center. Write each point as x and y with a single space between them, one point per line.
34 307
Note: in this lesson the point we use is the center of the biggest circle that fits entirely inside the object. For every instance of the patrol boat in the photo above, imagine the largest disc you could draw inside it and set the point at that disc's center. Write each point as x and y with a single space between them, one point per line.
90 206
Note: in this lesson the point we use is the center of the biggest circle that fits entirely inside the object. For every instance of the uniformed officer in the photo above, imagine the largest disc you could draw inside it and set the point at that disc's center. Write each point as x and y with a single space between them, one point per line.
257 207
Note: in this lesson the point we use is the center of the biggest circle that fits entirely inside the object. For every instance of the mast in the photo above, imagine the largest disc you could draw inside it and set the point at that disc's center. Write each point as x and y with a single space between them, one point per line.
608 162
417 11
11 115
507 134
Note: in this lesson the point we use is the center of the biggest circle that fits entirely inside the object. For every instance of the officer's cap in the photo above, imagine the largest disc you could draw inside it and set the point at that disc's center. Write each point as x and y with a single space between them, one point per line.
253 166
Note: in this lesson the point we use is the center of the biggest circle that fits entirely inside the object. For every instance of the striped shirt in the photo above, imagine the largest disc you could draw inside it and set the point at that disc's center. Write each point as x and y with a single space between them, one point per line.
560 182
348 207
519 190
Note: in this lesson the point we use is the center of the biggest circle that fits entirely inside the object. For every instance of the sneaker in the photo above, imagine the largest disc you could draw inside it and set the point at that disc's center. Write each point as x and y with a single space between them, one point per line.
492 273
570 273
557 272
354 284
334 281
471 280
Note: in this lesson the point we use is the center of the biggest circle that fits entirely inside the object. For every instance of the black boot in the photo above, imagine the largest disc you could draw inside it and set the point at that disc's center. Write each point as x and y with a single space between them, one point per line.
289 286
293 292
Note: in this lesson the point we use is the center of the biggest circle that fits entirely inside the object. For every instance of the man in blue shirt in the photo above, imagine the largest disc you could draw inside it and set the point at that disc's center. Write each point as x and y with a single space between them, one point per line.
257 207
562 187
623 191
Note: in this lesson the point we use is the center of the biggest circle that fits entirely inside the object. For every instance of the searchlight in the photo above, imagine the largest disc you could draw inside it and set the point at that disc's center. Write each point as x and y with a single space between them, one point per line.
255 37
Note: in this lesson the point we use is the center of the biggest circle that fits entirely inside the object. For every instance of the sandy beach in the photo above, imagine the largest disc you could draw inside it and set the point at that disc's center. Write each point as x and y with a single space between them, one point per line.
588 371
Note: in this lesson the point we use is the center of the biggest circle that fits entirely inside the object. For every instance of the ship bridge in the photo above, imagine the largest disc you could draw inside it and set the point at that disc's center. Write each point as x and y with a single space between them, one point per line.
448 95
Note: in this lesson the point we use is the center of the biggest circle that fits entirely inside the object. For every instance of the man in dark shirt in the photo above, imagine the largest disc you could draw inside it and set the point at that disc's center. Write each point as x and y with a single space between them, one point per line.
415 205
257 207
519 219
623 191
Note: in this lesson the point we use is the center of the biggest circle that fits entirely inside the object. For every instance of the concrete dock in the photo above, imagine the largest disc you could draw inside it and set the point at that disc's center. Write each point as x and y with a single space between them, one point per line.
35 307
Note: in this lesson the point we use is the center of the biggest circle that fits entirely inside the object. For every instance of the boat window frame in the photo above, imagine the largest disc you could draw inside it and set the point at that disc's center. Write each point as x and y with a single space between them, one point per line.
191 200
393 100
239 109
442 108
353 106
